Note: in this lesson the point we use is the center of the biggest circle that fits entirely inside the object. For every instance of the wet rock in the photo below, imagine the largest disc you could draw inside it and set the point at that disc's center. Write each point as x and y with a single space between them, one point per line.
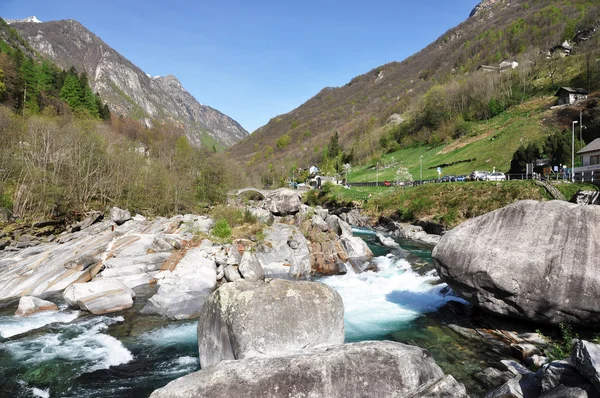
100 297
366 369
386 241
529 260
119 216
255 318
586 358
29 305
414 232
250 268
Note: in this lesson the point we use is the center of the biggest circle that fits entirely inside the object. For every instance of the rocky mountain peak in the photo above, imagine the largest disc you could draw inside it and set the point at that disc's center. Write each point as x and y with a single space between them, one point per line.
127 89
31 19
487 5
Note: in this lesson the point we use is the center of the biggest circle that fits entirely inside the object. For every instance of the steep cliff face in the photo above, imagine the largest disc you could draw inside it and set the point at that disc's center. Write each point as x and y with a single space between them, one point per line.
487 5
126 88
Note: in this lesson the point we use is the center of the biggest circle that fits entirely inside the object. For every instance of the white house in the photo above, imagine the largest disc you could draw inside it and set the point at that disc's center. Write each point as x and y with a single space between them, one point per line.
568 95
313 170
508 64
590 162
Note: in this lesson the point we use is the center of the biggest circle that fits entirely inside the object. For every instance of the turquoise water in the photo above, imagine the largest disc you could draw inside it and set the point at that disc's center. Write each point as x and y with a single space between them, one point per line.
72 354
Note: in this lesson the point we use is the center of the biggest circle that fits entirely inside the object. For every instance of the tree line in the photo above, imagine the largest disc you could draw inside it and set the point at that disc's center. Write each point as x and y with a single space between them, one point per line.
61 165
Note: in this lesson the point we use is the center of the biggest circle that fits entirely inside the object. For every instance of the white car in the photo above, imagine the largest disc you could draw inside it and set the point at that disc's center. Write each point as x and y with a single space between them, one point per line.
495 177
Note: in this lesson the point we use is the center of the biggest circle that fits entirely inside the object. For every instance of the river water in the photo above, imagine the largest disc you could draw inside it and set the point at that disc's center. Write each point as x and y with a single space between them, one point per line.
72 354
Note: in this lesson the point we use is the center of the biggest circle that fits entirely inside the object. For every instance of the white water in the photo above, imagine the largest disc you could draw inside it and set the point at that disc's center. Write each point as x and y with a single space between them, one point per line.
14 325
81 343
172 334
379 303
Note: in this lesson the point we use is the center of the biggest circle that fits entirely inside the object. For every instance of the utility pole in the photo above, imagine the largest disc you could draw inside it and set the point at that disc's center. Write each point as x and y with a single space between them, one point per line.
377 175
573 151
421 170
581 128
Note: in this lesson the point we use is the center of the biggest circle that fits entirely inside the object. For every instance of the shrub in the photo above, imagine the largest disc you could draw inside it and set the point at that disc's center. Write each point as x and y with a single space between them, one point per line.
284 141
222 230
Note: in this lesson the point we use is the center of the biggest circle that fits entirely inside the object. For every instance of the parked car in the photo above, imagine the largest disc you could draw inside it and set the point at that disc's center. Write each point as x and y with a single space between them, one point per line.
448 178
496 177
461 178
479 175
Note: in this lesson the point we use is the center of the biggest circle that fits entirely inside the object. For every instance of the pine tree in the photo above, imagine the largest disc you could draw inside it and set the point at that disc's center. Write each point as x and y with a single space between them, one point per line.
334 146
71 91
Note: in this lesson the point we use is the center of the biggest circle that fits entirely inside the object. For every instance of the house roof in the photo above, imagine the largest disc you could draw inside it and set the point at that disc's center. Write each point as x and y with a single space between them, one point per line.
572 91
591 147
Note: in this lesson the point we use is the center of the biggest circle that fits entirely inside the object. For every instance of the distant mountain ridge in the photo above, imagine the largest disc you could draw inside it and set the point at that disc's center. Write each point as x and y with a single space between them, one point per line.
127 89
495 30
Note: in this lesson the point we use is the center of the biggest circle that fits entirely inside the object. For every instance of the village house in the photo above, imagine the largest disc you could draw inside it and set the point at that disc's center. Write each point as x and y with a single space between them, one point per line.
569 96
563 49
505 65
590 162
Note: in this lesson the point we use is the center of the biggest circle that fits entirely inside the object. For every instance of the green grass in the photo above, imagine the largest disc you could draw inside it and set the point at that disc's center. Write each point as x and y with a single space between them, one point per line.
452 203
569 190
492 144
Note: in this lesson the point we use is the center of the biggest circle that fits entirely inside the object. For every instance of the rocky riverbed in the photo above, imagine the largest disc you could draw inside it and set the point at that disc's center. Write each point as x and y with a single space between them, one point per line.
147 281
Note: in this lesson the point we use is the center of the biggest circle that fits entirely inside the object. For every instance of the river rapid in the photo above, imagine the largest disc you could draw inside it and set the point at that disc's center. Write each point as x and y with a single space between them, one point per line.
73 354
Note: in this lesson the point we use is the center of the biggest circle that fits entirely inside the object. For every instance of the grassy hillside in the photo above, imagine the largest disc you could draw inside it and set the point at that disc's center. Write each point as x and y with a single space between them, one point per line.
452 203
436 90
490 144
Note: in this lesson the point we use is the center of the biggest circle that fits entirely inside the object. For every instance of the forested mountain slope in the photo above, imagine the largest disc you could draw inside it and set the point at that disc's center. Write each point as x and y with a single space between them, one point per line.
127 89
419 88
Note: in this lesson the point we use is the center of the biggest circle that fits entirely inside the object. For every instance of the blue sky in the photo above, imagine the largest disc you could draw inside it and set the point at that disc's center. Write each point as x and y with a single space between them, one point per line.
254 60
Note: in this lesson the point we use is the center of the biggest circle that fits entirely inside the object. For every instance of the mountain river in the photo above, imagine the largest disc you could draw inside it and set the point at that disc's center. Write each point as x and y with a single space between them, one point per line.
73 354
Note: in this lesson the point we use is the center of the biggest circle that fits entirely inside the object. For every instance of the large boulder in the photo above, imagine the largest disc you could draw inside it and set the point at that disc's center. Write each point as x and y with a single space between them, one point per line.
366 369
586 358
254 318
29 305
532 260
250 268
284 253
283 202
100 297
119 216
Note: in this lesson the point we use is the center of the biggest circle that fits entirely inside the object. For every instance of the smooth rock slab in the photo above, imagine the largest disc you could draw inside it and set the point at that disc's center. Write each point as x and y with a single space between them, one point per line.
255 318
366 369
100 296
29 305
531 260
